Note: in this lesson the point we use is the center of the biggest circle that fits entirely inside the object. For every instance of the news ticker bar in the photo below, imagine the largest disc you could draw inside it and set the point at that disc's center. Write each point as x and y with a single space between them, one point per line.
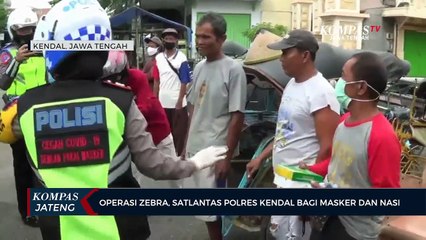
263 201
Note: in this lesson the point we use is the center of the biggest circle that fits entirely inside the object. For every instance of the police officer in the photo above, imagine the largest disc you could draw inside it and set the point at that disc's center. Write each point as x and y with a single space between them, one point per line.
83 133
21 69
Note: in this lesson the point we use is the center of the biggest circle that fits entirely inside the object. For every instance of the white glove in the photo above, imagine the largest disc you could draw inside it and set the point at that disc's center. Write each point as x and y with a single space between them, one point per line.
209 156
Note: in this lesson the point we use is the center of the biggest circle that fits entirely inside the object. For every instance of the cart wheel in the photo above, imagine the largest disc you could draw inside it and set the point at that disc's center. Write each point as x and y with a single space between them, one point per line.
228 221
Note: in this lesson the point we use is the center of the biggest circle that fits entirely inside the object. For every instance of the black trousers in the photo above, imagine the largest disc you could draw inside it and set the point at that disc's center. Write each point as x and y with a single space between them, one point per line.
333 230
178 120
24 175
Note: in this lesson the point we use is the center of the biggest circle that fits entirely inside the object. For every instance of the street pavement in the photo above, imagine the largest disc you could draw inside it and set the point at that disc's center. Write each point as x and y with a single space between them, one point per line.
162 227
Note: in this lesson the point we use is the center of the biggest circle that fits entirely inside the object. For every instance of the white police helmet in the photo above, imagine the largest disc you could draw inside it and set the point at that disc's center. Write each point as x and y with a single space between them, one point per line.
73 20
20 18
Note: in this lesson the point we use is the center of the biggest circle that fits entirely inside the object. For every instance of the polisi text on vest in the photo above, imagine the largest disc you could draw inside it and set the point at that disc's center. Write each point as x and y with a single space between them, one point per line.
59 118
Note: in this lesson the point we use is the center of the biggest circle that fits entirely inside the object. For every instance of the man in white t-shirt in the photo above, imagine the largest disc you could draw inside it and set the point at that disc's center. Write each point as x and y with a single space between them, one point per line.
171 74
307 118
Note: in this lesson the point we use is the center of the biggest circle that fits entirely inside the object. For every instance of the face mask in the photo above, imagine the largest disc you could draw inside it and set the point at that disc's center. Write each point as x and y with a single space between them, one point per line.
343 99
169 45
364 100
25 39
151 51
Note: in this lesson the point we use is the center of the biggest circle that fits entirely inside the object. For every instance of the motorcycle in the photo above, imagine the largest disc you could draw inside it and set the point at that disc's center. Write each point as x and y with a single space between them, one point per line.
411 132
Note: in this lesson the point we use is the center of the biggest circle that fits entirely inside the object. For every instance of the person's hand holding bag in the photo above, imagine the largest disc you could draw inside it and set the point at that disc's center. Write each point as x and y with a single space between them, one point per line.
209 156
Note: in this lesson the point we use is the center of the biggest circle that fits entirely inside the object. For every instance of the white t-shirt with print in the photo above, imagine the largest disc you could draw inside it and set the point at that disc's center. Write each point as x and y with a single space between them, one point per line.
295 138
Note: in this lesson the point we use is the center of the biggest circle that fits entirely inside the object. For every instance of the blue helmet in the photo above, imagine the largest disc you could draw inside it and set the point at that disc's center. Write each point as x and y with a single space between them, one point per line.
72 20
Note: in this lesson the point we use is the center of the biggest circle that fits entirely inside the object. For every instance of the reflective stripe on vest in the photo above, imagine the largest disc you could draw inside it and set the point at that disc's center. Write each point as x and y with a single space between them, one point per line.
75 144
32 73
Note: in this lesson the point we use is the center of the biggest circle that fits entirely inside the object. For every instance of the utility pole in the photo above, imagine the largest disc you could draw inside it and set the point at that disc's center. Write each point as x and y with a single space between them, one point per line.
137 38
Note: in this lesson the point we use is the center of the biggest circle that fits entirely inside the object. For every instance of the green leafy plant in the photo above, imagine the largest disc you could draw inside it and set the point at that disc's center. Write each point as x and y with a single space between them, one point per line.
277 29
53 2
112 6
3 15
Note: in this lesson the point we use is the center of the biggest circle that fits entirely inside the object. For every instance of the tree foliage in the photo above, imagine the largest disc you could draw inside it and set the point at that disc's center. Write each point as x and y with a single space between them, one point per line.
116 6
3 16
53 2
277 29
112 6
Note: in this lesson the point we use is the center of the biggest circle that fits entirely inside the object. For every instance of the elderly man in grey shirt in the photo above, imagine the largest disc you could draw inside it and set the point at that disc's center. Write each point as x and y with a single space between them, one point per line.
218 99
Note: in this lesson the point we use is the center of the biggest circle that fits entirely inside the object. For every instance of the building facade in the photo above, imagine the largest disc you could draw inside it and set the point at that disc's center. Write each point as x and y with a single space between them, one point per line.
239 15
276 12
409 32
397 26
41 7
338 22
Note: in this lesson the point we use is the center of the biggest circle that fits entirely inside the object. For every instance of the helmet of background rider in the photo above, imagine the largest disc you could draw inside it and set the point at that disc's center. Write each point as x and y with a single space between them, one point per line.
21 18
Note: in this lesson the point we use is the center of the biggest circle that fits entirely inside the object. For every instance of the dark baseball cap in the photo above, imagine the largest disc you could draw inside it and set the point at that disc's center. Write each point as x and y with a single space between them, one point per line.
298 38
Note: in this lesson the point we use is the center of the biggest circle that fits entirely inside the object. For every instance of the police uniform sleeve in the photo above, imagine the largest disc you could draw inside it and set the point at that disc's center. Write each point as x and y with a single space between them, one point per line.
5 59
9 68
147 157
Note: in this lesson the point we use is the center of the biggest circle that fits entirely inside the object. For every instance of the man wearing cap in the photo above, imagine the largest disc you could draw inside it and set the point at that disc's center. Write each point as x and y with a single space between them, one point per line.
307 118
171 75
154 46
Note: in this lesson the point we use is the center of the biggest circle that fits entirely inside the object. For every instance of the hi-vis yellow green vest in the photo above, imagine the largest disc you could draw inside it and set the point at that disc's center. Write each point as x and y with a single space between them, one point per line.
74 134
78 160
32 73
